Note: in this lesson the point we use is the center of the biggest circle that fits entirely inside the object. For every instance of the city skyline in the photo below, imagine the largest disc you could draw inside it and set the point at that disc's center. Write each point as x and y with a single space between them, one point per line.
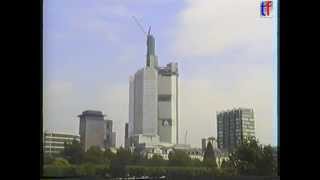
90 50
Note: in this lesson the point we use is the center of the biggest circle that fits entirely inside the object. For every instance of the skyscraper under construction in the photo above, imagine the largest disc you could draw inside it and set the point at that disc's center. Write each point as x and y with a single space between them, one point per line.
153 102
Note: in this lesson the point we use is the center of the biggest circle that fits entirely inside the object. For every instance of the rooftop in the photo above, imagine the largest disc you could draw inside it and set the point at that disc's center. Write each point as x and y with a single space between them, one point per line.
92 113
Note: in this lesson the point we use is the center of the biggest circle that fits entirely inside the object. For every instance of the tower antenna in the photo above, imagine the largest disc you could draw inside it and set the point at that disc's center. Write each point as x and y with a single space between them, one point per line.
140 26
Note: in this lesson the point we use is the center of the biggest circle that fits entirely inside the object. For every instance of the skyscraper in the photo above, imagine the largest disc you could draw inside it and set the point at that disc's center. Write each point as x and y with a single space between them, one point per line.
94 130
153 101
233 126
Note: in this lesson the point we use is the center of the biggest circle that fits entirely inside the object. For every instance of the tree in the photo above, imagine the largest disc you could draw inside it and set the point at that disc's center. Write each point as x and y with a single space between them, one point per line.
179 158
196 162
73 152
251 158
86 169
61 162
137 158
94 155
48 159
227 168
209 158
119 163
108 155
156 160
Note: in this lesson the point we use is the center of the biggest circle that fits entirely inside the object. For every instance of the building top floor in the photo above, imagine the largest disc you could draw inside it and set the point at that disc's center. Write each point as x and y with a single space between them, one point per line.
91 113
60 135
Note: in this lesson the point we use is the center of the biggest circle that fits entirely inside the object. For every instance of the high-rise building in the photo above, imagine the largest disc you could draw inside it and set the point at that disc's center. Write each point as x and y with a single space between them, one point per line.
153 101
54 142
233 126
94 130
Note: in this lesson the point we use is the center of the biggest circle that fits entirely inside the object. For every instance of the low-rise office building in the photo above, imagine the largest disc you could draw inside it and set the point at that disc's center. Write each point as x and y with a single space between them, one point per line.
53 142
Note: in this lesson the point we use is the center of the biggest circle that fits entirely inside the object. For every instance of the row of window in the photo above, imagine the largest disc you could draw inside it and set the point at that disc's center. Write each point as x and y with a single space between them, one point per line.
59 140
60 135
54 144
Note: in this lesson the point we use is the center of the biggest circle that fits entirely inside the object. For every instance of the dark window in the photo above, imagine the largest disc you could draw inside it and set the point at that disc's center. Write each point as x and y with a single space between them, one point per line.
164 97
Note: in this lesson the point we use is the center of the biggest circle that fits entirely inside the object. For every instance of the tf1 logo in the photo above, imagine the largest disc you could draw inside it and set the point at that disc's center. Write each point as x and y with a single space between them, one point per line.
266 8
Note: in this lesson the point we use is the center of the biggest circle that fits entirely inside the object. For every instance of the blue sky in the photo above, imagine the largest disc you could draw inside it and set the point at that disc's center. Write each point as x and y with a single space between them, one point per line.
225 53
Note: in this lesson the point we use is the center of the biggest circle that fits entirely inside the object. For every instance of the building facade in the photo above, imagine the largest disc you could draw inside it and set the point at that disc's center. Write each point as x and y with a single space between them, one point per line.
94 130
153 101
233 126
53 142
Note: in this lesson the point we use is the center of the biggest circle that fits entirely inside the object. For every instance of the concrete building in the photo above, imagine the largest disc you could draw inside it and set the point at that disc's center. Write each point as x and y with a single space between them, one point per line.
94 130
53 142
233 126
153 102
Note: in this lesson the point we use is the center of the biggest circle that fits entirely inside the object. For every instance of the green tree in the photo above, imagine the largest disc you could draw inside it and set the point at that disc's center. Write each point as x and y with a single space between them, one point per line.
108 154
227 168
86 169
196 163
73 152
61 162
179 158
137 158
251 158
209 158
119 163
157 160
94 155
48 159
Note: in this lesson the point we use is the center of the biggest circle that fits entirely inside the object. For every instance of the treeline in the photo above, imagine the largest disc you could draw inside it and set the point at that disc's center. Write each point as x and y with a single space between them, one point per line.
250 158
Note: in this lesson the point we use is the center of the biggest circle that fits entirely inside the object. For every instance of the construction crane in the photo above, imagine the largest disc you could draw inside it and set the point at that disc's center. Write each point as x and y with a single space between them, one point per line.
140 26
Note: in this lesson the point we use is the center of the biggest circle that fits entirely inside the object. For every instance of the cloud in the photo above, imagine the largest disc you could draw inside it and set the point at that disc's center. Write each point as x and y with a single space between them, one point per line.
63 101
201 98
58 106
113 100
206 27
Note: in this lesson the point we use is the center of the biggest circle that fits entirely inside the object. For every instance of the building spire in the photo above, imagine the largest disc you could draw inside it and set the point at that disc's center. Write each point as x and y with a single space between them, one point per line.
151 56
149 30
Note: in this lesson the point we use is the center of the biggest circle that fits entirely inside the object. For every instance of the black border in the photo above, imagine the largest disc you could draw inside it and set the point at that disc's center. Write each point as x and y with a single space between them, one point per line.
285 85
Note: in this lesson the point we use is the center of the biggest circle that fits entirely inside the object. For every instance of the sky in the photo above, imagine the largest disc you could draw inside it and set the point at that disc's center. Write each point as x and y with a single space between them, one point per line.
225 51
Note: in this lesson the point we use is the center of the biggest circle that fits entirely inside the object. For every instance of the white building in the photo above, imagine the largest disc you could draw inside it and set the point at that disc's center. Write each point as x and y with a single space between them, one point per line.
153 102
53 142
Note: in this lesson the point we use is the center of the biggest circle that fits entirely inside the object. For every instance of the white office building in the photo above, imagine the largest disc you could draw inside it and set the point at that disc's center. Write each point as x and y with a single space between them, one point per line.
53 142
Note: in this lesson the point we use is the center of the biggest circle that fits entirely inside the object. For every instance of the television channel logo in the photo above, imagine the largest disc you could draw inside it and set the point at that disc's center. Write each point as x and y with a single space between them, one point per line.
266 8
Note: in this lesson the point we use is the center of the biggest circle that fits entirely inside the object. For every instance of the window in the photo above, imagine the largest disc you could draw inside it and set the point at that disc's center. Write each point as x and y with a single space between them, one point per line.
164 97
